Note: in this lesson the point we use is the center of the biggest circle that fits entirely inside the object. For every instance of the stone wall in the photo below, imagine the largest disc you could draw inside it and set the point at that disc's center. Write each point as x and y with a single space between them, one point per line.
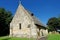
43 32
22 17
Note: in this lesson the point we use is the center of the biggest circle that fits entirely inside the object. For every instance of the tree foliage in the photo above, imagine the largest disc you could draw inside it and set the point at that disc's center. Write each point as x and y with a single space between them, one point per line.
53 24
5 19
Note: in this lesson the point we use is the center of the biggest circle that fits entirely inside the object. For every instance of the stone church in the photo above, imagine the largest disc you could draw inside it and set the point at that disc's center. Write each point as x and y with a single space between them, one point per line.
25 24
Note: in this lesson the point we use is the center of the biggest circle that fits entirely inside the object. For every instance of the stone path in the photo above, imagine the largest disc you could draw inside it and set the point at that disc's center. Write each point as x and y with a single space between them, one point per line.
43 38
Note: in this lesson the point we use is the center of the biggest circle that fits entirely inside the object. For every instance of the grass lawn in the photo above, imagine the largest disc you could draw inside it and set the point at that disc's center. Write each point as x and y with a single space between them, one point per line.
50 37
53 37
13 38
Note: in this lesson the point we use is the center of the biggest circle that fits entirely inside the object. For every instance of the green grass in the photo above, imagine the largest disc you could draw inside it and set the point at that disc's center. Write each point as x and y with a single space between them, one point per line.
49 37
15 38
53 37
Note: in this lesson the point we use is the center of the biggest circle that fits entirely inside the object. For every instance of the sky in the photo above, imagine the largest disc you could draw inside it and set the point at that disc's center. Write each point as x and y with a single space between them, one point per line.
42 9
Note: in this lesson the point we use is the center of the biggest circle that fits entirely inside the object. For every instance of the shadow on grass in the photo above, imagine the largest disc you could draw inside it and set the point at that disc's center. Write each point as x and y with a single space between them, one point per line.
6 39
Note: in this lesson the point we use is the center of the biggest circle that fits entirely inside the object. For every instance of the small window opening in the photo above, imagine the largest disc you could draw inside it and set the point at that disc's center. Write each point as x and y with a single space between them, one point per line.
20 26
29 26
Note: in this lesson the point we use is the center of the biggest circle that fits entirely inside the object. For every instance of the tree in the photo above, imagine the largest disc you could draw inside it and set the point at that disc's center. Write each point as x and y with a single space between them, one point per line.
5 19
59 23
53 24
